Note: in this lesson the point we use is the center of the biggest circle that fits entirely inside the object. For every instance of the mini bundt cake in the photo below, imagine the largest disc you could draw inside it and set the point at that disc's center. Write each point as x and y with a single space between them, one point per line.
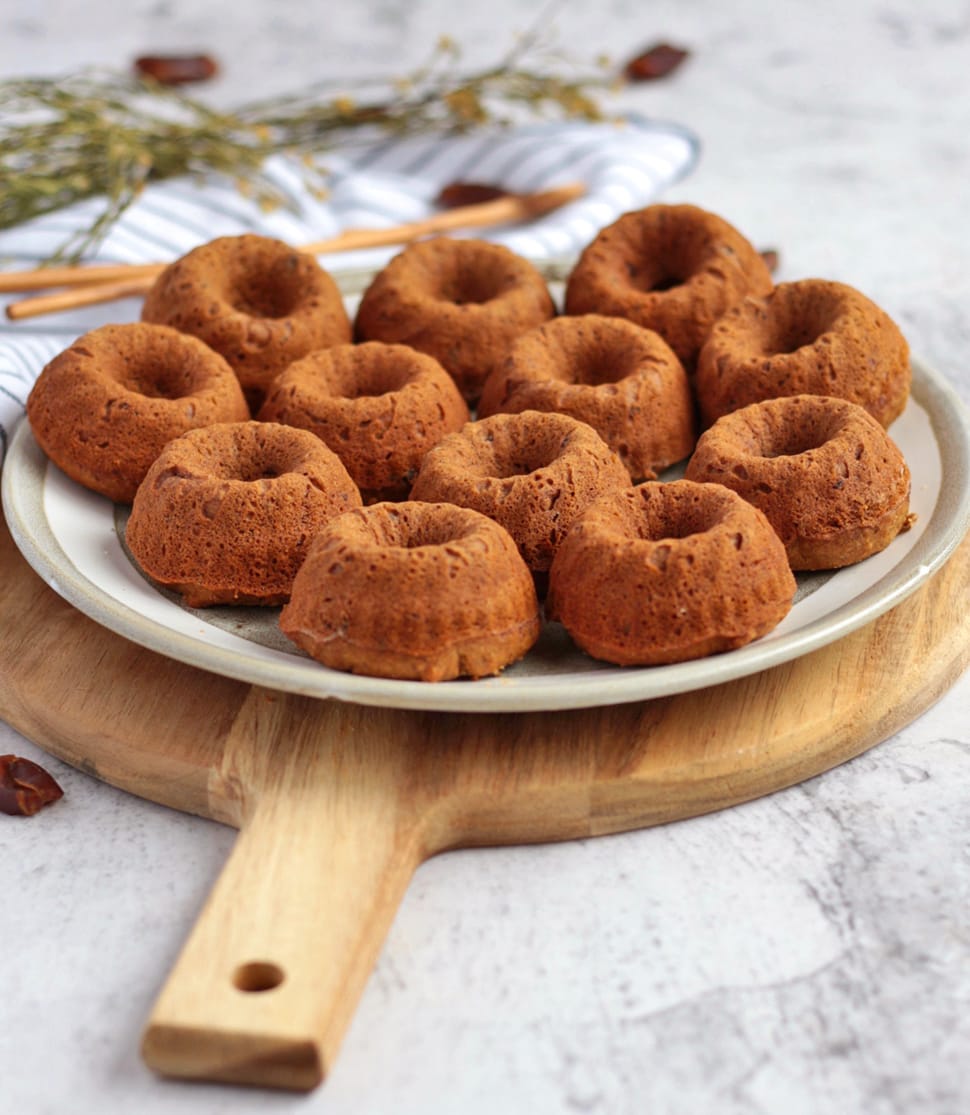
259 302
413 590
826 475
461 301
811 337
105 407
621 379
534 473
669 572
671 268
379 407
226 514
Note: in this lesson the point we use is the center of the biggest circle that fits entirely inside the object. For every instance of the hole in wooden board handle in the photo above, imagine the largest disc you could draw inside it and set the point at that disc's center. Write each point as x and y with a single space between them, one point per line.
258 975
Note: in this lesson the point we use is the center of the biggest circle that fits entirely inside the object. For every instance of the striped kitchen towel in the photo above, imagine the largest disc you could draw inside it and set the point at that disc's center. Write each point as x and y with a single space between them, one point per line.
624 165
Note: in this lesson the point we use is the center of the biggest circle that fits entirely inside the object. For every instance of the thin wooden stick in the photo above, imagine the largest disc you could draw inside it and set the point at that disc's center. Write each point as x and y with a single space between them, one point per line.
46 278
502 210
76 297
90 285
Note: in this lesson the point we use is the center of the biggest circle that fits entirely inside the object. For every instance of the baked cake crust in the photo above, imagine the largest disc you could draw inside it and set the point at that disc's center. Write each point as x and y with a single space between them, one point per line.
669 572
416 591
380 407
255 300
226 514
811 337
103 409
532 472
671 268
827 476
461 301
624 381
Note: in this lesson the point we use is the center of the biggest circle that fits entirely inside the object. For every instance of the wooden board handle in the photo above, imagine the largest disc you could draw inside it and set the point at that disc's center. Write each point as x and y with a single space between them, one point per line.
273 969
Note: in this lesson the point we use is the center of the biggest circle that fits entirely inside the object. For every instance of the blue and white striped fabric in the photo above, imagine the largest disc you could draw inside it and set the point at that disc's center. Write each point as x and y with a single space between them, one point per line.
624 165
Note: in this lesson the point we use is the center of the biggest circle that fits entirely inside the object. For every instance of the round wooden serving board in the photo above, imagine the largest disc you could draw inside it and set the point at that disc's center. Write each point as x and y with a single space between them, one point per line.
338 804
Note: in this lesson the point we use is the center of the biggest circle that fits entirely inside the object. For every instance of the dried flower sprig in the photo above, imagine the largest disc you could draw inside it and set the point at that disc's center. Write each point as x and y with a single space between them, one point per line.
106 135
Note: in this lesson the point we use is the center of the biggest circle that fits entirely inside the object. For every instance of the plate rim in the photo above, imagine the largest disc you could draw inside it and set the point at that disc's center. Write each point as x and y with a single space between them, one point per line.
24 476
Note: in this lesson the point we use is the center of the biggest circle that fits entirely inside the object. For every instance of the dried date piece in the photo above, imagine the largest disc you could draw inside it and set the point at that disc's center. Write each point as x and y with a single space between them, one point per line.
25 787
771 258
656 62
456 194
176 69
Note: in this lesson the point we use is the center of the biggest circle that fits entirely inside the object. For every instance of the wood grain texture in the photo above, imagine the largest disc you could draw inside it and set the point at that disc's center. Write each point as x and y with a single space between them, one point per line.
338 804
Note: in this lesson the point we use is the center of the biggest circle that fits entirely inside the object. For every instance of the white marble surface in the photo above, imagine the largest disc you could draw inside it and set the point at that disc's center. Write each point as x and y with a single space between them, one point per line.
808 952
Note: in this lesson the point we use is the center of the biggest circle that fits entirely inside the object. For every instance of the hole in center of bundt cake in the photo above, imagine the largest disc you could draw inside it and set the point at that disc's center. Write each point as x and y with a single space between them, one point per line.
663 258
798 335
375 379
254 473
607 363
266 294
666 282
651 276
522 460
404 531
158 379
789 441
256 464
417 541
788 332
674 526
467 286
673 519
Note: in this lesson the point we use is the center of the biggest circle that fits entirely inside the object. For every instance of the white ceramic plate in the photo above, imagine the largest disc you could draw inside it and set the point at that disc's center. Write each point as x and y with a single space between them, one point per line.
73 539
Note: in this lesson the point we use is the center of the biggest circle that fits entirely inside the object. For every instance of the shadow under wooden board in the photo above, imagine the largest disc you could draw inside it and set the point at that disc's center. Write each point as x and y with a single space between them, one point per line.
338 804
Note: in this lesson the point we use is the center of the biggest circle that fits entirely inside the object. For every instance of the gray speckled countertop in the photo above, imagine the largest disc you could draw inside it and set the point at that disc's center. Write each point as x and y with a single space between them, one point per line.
808 952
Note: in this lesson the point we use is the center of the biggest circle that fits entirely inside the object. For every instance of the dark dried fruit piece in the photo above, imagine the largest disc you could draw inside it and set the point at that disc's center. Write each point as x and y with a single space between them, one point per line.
456 194
771 258
25 787
176 69
656 62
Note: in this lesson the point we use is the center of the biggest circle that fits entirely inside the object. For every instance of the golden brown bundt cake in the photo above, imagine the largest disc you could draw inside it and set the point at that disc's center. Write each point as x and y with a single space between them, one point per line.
259 302
226 514
413 590
619 378
671 268
811 337
826 475
669 572
534 473
104 408
461 301
379 407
